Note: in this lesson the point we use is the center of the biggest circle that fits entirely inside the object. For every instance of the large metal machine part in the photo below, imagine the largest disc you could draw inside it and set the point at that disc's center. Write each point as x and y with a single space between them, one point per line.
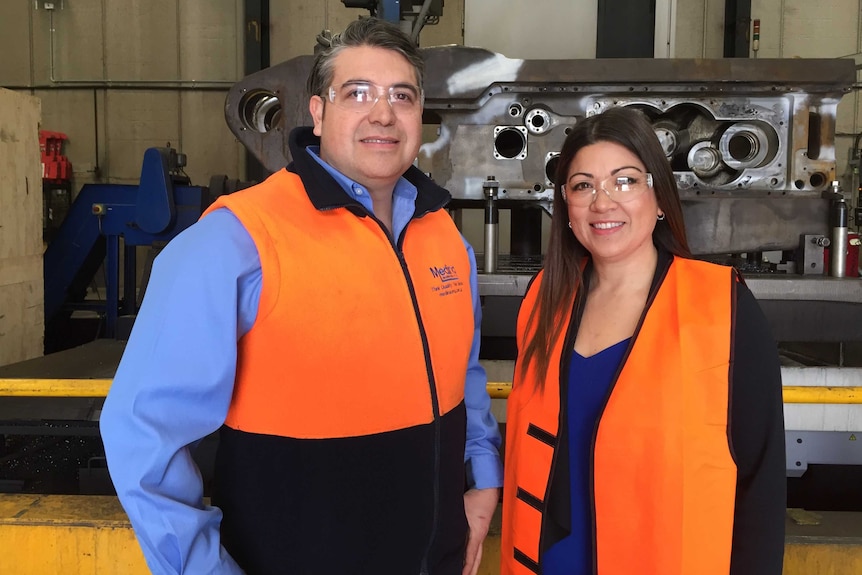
751 141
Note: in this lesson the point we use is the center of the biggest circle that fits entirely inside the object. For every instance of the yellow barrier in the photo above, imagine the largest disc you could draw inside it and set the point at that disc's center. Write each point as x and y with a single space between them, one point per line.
792 393
11 387
54 387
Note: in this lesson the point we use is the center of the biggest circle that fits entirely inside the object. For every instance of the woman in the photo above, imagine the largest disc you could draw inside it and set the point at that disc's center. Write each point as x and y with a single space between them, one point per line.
645 428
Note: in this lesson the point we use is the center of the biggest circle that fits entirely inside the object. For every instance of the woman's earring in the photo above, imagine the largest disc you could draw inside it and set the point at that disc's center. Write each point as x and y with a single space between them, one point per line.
660 217
570 224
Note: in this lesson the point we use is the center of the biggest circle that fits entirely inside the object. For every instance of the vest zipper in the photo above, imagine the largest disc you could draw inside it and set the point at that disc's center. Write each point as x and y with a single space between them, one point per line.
657 281
432 384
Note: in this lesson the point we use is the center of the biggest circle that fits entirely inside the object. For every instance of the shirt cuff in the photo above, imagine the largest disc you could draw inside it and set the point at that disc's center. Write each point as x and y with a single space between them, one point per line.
484 472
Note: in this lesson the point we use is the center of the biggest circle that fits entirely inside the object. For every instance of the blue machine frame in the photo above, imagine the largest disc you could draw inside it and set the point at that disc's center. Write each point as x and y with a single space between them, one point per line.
156 210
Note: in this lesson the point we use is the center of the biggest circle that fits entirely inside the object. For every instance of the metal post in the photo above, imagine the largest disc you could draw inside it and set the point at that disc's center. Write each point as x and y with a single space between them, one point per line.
838 250
492 224
130 279
112 284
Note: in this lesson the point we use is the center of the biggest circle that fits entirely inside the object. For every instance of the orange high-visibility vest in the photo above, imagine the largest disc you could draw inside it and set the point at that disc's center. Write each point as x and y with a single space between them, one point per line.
664 478
338 348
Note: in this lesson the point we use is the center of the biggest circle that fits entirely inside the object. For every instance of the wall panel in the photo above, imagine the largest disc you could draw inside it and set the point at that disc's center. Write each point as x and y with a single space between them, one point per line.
14 44
532 29
208 40
135 121
78 42
210 146
141 41
21 281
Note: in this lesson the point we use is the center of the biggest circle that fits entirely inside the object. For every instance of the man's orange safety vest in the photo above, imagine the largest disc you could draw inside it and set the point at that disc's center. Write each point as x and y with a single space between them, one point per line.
314 287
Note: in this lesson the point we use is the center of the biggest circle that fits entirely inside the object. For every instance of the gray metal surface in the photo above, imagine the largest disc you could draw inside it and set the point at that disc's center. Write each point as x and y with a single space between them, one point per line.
769 287
798 308
806 288
804 448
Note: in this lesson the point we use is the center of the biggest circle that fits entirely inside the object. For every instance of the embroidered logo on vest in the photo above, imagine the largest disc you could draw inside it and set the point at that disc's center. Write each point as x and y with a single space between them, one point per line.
444 273
450 283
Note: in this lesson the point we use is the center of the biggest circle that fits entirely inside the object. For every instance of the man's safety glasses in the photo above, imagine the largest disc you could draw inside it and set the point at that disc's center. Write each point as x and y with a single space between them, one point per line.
361 96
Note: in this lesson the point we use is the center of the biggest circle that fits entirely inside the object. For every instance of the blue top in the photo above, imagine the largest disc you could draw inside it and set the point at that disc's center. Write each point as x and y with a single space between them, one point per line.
175 381
589 382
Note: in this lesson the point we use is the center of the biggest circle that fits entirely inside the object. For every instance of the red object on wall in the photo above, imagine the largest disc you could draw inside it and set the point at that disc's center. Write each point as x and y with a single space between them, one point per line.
853 243
55 166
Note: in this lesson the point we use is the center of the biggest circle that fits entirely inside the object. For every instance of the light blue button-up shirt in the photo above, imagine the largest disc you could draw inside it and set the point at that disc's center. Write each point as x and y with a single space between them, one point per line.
175 381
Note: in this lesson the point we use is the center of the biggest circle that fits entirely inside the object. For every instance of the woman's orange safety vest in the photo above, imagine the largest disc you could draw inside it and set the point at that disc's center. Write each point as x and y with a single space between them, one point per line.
663 475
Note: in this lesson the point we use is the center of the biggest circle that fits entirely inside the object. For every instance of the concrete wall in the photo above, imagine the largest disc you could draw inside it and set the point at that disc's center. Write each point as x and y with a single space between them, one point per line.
698 28
129 74
21 283
116 77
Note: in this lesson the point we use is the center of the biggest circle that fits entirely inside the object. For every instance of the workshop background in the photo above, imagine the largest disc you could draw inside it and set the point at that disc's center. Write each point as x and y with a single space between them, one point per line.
95 83
119 76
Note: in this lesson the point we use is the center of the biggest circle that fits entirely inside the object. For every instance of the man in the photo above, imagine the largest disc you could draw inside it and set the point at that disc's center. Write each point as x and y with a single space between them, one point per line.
326 321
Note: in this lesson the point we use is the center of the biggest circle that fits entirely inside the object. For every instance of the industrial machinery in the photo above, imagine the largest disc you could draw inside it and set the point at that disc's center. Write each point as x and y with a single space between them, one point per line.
53 442
751 143
412 15
151 213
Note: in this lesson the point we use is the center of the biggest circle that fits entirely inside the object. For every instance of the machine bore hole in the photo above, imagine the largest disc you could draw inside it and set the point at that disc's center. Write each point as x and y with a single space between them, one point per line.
260 110
799 184
817 179
510 143
742 147
814 128
551 169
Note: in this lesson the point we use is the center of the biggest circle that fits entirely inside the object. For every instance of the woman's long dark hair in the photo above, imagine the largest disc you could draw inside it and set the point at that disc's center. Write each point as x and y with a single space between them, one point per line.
632 130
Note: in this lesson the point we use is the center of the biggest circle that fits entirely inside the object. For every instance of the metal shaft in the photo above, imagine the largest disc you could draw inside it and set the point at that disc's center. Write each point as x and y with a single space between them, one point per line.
838 253
492 224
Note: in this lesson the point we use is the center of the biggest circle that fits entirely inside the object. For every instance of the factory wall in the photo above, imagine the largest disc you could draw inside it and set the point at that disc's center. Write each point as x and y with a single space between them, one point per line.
119 76
129 74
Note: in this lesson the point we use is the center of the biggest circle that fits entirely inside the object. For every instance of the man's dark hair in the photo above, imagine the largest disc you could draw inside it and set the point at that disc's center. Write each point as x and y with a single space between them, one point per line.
364 32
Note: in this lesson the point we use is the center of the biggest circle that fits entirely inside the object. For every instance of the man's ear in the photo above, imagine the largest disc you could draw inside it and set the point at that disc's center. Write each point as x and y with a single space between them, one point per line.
315 107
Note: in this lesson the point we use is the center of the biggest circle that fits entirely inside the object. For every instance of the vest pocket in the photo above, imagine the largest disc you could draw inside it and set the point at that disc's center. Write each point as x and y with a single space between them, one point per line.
530 499
522 558
542 435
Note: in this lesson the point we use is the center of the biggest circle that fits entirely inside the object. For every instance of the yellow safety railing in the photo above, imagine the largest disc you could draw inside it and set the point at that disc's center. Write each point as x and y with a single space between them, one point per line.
11 387
792 393
54 387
